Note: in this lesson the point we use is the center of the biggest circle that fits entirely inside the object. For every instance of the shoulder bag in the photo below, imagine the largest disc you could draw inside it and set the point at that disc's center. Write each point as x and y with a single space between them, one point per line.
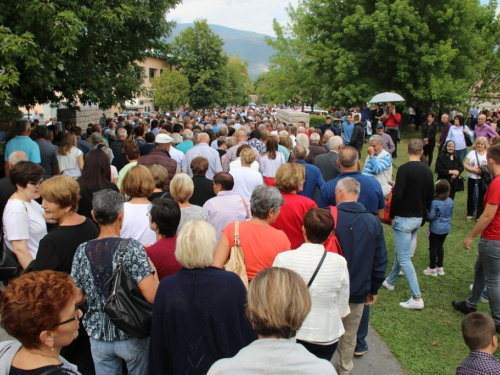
485 174
332 244
236 260
468 139
126 307
317 269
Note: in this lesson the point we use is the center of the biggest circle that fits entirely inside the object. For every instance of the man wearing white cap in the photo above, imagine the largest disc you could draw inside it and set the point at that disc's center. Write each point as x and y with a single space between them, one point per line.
160 155
203 149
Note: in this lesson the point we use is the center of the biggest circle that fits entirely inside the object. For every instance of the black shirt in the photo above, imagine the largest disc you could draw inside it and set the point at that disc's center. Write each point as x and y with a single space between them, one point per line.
203 190
120 161
85 203
413 192
40 370
6 191
57 248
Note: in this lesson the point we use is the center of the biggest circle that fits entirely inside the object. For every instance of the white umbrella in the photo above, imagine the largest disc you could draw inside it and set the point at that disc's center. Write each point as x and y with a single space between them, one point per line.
387 97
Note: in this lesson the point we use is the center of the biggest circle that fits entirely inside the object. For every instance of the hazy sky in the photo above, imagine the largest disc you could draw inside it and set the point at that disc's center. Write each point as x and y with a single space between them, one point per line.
249 15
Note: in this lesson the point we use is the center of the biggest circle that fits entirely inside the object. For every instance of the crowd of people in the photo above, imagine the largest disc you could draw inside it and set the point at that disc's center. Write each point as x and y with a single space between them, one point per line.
169 199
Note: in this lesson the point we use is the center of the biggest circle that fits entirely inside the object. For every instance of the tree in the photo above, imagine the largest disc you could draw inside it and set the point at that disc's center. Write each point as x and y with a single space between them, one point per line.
171 90
78 52
200 58
424 50
238 87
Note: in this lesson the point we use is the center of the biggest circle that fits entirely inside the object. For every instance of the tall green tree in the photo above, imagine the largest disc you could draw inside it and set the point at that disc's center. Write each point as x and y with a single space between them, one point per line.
77 51
171 90
238 86
424 50
200 57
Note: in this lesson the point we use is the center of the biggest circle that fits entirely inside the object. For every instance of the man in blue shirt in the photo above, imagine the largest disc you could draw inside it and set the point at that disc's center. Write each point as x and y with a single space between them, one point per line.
314 179
371 195
22 142
347 128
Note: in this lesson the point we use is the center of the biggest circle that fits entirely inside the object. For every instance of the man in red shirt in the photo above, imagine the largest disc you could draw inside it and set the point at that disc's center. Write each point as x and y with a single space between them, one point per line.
487 267
391 121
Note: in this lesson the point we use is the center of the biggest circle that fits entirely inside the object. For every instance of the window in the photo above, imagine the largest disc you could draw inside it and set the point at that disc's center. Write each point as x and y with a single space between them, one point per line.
152 73
161 71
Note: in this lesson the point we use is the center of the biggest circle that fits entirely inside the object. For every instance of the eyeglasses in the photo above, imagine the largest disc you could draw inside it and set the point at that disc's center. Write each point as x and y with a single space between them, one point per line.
36 184
72 319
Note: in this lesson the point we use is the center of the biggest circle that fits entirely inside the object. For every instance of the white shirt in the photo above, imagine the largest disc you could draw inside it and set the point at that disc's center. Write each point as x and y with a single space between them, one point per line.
457 135
329 291
245 181
269 166
473 163
177 155
24 221
225 208
136 223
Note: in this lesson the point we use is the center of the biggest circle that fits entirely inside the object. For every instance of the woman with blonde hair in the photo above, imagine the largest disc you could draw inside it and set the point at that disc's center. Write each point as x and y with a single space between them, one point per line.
475 192
138 184
190 331
290 180
181 190
278 304
246 179
69 157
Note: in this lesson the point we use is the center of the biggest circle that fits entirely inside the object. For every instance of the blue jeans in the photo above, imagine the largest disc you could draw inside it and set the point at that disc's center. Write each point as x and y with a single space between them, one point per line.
405 230
487 272
461 154
108 356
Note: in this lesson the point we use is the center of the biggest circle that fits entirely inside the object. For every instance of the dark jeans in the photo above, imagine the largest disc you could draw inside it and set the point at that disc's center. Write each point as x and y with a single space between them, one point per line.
394 137
363 330
436 250
429 152
320 351
471 182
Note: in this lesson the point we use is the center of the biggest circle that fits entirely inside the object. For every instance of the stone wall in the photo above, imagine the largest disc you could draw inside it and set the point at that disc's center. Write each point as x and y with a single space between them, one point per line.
82 117
292 117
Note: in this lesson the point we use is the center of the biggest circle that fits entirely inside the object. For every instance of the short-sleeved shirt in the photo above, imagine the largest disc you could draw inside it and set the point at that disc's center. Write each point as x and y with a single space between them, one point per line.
485 131
474 163
260 244
48 154
191 213
24 221
25 144
492 231
162 254
93 266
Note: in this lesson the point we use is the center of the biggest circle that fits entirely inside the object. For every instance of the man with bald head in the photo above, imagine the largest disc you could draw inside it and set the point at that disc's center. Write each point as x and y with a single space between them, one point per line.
241 139
203 149
446 124
482 129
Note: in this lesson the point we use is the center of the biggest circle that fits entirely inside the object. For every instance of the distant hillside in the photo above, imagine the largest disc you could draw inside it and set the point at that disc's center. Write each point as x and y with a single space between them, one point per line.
248 45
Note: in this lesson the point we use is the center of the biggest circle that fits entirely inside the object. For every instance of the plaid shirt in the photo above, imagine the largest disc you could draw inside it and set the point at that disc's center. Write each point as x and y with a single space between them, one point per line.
479 363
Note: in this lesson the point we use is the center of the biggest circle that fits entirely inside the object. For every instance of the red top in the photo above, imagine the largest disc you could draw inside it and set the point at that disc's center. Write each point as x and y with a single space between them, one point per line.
260 245
392 121
492 196
290 219
162 254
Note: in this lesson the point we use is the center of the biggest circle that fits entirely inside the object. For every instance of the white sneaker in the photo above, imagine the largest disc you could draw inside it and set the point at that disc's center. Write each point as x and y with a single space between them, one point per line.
430 272
440 271
387 285
413 304
401 273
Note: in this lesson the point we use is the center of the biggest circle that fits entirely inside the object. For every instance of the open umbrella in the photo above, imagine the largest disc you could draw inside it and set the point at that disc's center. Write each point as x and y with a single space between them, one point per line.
387 97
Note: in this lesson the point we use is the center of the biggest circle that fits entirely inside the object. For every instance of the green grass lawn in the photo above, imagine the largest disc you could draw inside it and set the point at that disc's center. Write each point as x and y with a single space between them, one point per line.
429 341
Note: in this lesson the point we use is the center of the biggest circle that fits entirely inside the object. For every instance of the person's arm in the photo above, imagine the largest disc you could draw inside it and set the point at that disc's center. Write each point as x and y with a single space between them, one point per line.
148 287
320 181
222 251
324 199
432 132
343 301
397 118
80 161
494 140
432 213
381 213
381 165
468 167
55 169
440 168
6 168
392 147
484 220
20 249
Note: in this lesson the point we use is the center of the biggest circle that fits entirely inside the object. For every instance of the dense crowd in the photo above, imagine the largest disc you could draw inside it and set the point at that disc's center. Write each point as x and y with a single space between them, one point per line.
168 200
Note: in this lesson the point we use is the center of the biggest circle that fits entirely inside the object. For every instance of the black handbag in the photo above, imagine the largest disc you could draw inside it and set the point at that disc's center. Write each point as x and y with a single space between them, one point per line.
468 140
9 265
126 307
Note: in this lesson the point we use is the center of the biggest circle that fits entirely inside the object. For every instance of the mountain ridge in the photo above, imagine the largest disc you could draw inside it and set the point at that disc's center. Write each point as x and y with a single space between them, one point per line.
249 45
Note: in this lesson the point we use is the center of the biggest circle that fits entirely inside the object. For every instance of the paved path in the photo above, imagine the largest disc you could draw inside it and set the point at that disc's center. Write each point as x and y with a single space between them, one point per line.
378 360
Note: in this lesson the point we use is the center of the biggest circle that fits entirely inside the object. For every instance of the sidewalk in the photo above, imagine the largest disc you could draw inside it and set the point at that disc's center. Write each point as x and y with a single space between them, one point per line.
378 360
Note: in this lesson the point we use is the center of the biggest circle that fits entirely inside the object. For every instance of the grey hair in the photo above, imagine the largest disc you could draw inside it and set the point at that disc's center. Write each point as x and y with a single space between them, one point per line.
187 134
349 185
121 132
107 205
348 156
315 137
223 130
264 199
108 152
335 142
17 156
196 134
299 152
302 140
203 137
377 138
329 134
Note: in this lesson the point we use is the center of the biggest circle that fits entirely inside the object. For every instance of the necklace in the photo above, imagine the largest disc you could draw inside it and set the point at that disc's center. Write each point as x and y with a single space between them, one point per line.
42 355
